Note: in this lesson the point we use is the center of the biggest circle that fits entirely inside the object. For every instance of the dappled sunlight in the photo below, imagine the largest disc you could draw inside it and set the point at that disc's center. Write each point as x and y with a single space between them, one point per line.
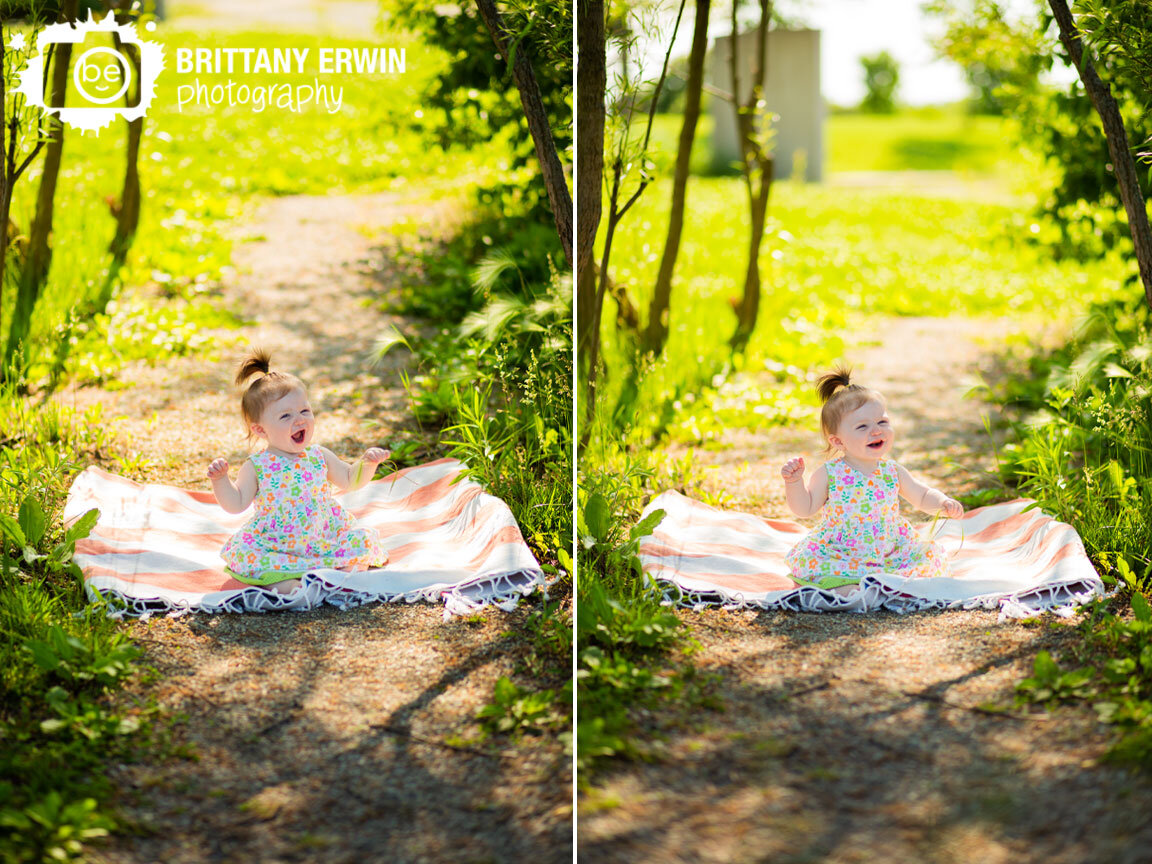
881 752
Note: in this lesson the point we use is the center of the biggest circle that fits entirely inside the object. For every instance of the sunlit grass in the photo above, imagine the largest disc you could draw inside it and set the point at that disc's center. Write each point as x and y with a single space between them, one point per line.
203 168
920 139
832 258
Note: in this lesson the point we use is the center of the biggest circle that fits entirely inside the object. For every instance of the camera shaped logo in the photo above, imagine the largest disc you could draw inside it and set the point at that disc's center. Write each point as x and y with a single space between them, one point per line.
104 68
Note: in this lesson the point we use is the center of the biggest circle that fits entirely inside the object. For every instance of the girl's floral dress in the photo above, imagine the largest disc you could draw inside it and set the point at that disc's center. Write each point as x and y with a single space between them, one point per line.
862 533
298 526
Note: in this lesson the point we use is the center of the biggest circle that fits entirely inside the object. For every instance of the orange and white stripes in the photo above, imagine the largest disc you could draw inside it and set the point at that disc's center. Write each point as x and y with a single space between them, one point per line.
157 548
1006 555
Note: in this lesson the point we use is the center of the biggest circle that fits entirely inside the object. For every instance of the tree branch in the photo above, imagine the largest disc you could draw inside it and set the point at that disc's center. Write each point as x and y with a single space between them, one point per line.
553 172
1122 162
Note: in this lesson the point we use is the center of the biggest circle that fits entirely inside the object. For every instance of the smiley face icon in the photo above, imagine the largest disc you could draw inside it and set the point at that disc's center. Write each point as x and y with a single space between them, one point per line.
102 75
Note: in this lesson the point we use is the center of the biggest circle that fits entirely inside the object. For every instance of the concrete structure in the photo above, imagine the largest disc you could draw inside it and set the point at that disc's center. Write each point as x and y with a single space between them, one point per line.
791 90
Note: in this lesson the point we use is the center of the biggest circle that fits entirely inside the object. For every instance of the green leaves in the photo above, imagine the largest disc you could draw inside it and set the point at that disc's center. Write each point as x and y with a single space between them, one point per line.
32 521
73 661
517 711
1141 608
27 533
1049 684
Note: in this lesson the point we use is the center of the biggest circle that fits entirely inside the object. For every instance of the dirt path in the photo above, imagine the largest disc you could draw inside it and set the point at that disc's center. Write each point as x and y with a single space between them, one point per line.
859 738
322 736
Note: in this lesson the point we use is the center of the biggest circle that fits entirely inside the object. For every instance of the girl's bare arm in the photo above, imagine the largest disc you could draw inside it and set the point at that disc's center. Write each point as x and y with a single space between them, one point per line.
354 476
804 499
925 497
234 498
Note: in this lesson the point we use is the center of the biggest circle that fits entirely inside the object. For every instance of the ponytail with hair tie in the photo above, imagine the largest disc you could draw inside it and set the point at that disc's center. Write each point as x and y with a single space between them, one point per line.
830 382
257 362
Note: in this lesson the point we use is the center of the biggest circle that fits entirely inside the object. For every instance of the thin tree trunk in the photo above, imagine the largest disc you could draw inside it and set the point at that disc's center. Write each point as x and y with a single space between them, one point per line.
550 168
39 251
757 167
37 262
128 219
9 171
5 183
591 80
1122 161
656 332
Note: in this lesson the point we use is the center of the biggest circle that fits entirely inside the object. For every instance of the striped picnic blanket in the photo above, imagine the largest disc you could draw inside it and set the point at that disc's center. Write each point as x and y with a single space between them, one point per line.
1005 555
157 548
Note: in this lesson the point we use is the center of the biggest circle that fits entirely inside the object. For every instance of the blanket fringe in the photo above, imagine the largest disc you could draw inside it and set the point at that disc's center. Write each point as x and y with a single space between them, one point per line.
1061 599
502 590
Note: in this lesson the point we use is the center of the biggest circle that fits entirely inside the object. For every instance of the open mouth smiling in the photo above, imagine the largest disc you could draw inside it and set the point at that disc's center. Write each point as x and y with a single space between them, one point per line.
298 437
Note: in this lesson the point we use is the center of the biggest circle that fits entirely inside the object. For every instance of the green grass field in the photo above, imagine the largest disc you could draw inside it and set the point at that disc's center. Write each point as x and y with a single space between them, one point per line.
832 257
921 139
200 170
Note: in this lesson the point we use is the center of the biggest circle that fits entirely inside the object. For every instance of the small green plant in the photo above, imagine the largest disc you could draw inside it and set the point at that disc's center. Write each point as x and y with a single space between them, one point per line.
27 532
1049 684
632 651
53 828
516 711
97 664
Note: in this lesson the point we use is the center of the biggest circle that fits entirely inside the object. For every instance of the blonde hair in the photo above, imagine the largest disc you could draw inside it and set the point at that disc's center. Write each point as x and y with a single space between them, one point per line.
840 396
266 388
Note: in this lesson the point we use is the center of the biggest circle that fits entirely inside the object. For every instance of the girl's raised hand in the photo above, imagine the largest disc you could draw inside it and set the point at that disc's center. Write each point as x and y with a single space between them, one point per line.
217 469
952 508
793 470
375 455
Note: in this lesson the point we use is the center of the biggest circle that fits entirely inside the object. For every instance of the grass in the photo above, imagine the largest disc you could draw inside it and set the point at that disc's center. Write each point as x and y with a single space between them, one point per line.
59 659
944 138
202 171
832 259
919 139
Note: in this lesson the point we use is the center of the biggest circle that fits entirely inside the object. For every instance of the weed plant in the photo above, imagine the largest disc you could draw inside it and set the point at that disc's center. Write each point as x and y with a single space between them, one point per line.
496 379
201 170
633 651
1084 451
60 658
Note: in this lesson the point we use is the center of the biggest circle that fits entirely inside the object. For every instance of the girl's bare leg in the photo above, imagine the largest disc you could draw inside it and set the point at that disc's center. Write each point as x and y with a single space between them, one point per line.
285 587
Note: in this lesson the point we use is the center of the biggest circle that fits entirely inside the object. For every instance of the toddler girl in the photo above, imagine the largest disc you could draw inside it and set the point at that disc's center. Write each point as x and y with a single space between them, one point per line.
297 525
862 531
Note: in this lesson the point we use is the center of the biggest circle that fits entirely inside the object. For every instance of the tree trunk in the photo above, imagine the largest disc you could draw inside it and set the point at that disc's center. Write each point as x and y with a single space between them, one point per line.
10 136
550 168
34 272
591 81
39 251
656 332
128 219
757 168
1122 161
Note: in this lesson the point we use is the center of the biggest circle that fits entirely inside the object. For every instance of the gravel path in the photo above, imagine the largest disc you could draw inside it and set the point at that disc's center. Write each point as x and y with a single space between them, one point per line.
850 738
324 736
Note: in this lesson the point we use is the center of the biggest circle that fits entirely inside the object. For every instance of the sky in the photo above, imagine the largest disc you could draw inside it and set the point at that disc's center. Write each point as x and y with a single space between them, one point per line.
851 29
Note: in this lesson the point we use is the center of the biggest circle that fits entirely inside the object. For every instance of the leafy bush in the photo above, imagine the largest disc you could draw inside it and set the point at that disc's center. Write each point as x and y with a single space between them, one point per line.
632 651
1085 449
61 659
1085 452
